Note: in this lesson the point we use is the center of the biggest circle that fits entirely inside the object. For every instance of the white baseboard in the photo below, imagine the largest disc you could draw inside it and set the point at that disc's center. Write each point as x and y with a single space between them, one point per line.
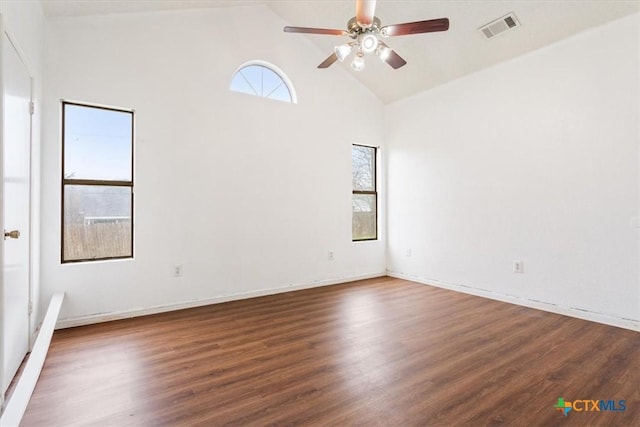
21 395
106 317
592 316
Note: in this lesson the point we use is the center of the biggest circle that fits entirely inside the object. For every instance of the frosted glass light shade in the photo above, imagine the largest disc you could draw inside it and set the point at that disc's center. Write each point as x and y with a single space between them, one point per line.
358 62
369 43
383 52
342 51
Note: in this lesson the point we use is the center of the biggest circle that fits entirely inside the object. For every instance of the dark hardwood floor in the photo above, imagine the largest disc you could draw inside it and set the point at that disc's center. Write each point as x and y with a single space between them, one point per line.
381 352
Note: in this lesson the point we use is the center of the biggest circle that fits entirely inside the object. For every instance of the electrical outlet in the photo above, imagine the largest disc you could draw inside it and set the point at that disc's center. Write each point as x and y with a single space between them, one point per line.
518 267
177 270
408 253
330 255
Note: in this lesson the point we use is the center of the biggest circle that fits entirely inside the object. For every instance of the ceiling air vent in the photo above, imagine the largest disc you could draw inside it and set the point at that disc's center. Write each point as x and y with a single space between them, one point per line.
500 25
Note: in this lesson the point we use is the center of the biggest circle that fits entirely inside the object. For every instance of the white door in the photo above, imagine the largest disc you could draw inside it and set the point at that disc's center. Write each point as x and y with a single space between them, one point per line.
16 165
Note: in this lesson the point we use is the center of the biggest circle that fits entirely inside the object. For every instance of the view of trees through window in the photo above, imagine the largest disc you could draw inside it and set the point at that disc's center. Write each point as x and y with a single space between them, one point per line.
365 196
97 183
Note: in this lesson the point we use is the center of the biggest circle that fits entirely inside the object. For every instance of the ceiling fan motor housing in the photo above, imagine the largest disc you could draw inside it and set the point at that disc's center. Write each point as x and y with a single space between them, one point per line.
366 36
355 28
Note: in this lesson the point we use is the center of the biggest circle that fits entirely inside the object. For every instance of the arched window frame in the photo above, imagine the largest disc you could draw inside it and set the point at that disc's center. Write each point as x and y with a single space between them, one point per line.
276 70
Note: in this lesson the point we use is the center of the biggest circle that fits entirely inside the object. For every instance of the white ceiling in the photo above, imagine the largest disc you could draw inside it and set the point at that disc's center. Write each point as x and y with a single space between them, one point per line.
432 59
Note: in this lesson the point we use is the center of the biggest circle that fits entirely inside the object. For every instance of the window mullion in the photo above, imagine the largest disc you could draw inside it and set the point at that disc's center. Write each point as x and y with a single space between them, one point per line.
97 182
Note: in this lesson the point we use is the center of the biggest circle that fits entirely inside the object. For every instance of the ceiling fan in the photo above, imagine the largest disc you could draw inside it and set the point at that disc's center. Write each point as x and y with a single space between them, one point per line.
366 31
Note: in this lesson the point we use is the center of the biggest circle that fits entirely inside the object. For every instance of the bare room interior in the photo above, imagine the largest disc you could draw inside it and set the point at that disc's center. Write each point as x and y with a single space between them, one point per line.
320 212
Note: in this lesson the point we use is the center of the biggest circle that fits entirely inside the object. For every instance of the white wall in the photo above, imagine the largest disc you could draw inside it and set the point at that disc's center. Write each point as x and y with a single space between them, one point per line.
24 22
535 160
248 194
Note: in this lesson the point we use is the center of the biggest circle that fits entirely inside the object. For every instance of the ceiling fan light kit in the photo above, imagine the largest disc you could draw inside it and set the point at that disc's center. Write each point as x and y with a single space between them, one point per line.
383 51
358 62
343 51
368 43
365 29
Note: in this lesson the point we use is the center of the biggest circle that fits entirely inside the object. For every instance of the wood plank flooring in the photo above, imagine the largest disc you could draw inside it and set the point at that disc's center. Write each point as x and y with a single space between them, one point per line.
379 352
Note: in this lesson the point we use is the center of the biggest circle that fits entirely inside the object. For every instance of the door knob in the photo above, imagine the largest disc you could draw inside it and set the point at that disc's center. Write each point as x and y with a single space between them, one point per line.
13 234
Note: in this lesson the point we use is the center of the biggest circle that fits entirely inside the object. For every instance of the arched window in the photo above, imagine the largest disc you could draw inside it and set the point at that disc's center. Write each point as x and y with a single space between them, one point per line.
262 79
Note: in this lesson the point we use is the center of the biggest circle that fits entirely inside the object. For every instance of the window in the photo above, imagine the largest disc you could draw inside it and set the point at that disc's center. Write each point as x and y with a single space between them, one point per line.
264 80
97 183
365 195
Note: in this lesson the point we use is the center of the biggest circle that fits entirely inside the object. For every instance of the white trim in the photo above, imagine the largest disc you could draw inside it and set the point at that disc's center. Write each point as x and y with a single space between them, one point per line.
106 317
19 400
578 313
97 105
32 213
2 344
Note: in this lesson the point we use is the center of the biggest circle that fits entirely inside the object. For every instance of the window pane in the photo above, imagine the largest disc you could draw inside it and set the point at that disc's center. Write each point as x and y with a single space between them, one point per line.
253 74
240 84
364 168
262 81
364 216
270 81
97 143
97 222
281 94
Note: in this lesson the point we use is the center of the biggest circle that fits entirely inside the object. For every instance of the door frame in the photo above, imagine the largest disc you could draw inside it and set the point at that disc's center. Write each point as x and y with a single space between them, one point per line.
30 329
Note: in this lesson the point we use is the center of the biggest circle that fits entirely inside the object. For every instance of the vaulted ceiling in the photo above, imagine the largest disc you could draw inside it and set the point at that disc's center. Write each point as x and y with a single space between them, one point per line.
433 58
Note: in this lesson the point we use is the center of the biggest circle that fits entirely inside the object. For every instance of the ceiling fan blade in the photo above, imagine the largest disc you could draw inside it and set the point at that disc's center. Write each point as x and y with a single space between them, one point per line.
330 60
392 58
305 30
395 60
365 10
430 26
